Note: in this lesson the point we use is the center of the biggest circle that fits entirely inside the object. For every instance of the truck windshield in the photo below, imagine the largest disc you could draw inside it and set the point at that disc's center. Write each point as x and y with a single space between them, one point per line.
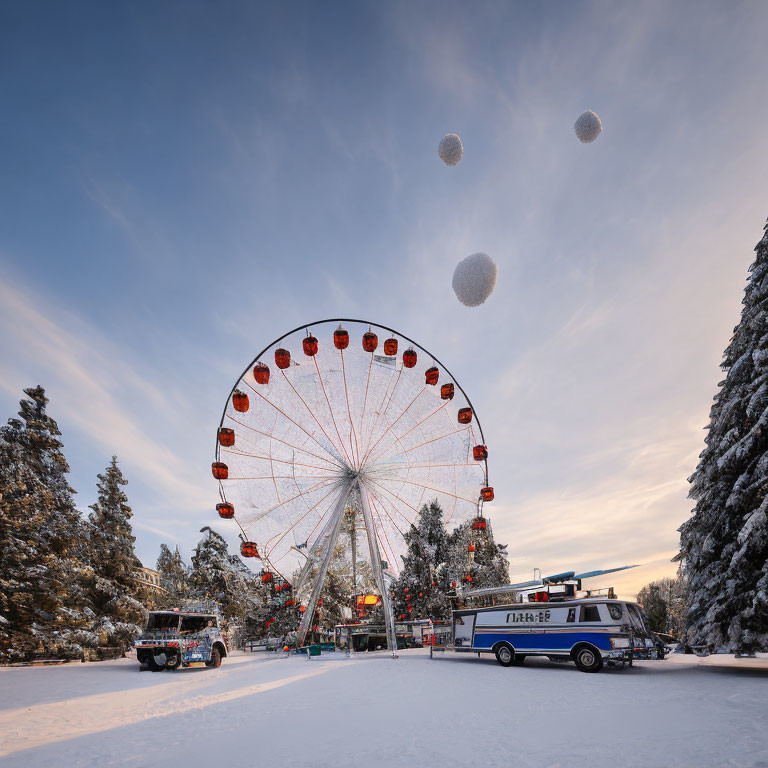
191 624
635 617
162 622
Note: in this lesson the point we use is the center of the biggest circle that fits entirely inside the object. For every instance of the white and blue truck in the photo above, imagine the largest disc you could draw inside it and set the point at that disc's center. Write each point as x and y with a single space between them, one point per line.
548 618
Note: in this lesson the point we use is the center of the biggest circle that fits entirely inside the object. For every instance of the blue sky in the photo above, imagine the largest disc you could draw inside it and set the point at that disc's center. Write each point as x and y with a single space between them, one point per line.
183 182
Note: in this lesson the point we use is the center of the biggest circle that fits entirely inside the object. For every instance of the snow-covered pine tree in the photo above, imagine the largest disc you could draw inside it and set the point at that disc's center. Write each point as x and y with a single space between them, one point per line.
174 577
724 544
486 565
417 592
339 589
654 607
664 604
217 575
114 586
43 604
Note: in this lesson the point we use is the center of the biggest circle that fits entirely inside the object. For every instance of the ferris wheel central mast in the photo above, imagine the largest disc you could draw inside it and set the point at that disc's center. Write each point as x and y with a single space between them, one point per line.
335 523
373 546
350 493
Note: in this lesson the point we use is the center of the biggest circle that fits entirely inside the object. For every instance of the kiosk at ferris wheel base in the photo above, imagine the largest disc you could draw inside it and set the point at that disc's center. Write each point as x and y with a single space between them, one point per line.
325 421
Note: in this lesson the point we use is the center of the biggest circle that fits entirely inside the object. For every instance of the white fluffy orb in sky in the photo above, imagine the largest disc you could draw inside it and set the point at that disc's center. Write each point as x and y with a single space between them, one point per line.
587 127
474 279
450 149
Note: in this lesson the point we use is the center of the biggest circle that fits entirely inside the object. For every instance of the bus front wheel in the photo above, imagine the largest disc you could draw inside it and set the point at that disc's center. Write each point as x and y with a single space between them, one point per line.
505 655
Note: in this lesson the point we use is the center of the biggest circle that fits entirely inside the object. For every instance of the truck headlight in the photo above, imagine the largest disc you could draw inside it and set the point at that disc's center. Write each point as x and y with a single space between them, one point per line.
619 642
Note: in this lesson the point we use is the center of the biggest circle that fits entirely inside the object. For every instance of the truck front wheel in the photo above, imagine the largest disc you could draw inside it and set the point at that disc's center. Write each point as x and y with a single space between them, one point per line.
505 655
215 659
588 659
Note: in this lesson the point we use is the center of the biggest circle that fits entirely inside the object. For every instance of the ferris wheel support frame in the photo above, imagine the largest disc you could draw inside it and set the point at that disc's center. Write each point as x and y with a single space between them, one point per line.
335 520
375 554
373 547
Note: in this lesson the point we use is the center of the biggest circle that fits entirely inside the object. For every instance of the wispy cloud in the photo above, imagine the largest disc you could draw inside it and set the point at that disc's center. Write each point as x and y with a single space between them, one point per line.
95 389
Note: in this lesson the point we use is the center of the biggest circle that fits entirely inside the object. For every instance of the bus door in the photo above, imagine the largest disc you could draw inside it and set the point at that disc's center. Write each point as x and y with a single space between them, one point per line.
463 627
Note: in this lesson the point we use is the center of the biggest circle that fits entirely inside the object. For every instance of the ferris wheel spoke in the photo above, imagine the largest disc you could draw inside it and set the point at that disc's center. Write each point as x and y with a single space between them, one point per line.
391 553
376 530
437 466
426 418
330 410
434 440
456 498
308 434
320 520
272 463
285 533
356 452
277 477
390 427
379 411
473 502
312 414
365 398
391 493
417 424
402 453
375 498
299 495
284 442
279 461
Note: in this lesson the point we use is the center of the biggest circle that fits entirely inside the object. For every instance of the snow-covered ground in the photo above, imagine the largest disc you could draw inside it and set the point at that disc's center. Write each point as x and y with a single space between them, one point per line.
264 710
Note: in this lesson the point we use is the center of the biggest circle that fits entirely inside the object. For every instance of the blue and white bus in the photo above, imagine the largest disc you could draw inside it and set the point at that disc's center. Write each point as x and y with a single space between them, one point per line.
587 631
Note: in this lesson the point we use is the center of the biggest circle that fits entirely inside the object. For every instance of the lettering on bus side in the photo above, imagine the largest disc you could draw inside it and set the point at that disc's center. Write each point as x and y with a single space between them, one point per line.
529 617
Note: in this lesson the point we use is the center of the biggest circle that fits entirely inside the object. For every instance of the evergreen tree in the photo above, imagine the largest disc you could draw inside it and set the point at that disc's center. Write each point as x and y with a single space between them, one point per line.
219 576
340 589
474 559
43 604
114 586
654 607
724 544
435 564
417 592
664 605
174 577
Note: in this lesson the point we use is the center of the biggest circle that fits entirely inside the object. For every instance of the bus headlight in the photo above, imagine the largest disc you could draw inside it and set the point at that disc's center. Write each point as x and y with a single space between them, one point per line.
619 642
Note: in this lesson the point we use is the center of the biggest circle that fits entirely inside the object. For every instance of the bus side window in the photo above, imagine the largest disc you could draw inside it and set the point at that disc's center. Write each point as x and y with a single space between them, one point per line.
589 613
571 615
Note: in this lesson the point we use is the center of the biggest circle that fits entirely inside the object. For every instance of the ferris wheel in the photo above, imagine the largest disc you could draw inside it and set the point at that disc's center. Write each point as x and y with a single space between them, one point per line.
344 416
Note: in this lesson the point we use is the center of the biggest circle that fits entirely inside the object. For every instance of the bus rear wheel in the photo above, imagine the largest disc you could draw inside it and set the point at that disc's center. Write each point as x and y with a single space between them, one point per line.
588 659
505 655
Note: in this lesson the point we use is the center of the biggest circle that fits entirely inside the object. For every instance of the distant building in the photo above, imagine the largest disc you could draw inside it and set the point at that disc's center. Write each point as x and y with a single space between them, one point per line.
152 590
